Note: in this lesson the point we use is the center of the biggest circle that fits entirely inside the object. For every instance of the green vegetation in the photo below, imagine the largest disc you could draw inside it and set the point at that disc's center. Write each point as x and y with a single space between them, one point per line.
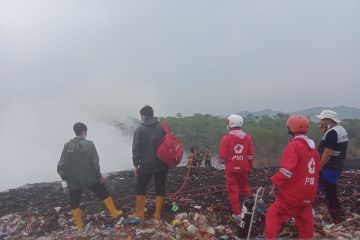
269 134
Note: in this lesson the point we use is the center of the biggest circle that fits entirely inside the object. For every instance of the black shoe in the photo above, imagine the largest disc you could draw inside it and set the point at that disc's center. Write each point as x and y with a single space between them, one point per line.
337 215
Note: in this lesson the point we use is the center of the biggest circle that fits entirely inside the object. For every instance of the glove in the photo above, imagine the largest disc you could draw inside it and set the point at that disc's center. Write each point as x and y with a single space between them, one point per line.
136 171
102 180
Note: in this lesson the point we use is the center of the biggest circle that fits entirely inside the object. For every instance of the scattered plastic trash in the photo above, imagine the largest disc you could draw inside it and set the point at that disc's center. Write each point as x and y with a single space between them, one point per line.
41 211
133 220
174 207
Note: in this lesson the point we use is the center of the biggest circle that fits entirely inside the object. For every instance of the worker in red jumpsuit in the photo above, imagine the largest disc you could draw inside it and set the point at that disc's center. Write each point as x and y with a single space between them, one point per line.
295 184
237 153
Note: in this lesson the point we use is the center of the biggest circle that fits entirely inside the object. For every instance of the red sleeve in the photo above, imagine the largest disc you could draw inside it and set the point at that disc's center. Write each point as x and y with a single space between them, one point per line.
288 163
251 151
223 150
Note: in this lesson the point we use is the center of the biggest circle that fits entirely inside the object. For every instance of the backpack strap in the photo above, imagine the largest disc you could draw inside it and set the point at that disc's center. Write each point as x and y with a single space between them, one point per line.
164 126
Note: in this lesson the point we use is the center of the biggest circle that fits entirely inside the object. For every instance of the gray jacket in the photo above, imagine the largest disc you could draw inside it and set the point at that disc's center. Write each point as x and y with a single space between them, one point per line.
79 164
146 140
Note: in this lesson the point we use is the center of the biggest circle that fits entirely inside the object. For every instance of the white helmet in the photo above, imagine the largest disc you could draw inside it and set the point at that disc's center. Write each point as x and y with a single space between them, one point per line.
235 120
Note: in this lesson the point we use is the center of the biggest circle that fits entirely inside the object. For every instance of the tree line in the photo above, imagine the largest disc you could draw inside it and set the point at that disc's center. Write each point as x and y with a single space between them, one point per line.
269 133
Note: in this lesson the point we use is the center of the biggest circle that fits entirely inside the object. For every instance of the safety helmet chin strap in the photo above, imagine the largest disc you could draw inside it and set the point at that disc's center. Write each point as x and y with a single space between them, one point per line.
294 134
290 132
231 128
227 124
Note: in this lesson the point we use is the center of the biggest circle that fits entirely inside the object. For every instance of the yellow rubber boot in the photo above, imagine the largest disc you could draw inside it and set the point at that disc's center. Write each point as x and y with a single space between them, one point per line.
111 207
140 207
159 203
78 219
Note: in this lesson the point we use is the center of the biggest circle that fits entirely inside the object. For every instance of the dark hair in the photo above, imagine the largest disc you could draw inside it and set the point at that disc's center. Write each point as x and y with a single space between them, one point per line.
147 111
79 128
192 150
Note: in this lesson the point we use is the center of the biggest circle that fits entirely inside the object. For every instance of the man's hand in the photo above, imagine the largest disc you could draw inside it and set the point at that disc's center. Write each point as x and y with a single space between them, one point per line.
325 158
274 190
136 171
64 186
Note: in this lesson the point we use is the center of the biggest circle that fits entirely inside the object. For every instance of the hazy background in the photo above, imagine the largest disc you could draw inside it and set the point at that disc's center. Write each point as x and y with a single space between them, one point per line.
94 61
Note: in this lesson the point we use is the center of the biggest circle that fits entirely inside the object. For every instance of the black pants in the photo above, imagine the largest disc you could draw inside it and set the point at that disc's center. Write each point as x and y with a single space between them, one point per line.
207 163
99 189
330 191
143 180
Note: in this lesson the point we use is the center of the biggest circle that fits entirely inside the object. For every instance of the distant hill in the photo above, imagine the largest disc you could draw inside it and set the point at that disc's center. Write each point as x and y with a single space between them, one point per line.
344 112
265 112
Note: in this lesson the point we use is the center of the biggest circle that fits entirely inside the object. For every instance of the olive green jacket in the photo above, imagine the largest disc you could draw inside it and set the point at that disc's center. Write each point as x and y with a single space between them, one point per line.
79 164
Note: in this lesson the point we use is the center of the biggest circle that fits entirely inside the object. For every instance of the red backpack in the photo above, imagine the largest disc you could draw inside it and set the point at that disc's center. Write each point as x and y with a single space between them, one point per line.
170 149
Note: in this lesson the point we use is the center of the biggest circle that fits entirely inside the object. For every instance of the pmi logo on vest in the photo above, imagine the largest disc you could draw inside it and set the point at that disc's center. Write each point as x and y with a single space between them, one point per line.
238 149
311 167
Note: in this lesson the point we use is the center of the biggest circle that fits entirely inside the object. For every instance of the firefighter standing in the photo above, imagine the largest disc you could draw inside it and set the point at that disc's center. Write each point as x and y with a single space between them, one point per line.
237 153
295 184
332 149
79 167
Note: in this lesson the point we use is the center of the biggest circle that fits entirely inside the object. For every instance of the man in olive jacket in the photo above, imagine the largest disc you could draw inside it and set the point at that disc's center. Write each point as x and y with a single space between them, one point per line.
146 163
79 168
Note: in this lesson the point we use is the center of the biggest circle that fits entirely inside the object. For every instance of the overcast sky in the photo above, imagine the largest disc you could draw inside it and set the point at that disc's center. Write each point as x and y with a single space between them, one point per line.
66 61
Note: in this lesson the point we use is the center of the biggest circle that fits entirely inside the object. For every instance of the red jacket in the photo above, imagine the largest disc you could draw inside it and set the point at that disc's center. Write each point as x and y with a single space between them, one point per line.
297 178
237 149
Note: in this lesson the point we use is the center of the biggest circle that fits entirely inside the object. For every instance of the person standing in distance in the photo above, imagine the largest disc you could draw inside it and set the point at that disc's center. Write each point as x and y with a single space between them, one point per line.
208 157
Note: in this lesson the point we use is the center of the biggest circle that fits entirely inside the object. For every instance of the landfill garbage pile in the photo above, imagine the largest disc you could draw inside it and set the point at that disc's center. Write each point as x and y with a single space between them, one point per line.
196 208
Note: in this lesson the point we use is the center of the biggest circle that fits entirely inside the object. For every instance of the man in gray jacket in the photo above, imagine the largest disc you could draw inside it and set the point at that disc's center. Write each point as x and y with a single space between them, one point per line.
79 168
146 163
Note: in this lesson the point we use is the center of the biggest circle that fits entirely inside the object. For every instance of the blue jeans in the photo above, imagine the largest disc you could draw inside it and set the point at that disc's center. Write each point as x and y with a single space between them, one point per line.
328 185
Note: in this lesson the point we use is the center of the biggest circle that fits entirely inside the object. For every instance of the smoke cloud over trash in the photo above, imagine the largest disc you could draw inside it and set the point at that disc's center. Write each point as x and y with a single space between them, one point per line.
34 130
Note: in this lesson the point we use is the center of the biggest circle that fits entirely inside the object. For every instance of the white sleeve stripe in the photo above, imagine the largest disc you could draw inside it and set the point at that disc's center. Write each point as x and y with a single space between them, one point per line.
286 172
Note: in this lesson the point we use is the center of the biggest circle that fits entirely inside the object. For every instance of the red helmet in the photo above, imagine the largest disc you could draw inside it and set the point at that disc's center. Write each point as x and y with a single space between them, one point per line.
298 124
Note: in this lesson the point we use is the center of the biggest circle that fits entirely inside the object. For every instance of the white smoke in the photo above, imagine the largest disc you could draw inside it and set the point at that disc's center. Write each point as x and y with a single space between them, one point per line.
33 132
95 61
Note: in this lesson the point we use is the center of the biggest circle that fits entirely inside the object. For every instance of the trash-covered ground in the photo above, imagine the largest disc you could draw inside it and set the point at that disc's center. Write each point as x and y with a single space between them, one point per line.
199 210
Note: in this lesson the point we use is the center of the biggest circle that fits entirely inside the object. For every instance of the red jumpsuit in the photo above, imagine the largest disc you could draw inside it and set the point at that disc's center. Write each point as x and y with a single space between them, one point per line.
296 181
237 152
